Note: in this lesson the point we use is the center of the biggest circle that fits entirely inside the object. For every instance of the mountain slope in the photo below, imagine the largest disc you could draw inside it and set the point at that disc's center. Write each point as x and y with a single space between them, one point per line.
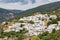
43 8
46 7
8 14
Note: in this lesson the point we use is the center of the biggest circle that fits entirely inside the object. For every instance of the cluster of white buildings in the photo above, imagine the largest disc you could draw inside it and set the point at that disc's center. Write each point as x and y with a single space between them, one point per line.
39 26
15 27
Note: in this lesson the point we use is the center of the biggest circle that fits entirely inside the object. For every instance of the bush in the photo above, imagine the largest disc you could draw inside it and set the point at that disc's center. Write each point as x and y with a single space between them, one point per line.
21 21
21 25
1 32
20 38
34 38
6 23
50 18
53 21
31 22
55 35
45 33
54 30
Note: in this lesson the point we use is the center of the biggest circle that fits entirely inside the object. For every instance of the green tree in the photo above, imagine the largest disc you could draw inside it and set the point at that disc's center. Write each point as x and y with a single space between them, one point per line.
21 25
21 21
31 22
45 33
54 30
52 36
54 21
20 38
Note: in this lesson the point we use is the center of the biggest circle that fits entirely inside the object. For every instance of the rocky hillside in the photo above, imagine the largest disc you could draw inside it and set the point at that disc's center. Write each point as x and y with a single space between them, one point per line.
8 14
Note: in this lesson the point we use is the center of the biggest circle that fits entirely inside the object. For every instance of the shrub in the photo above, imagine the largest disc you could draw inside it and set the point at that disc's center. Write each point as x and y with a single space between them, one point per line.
54 21
54 30
31 22
21 25
21 21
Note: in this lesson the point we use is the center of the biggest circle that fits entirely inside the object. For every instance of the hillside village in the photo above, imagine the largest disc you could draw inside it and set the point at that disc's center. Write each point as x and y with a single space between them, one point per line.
41 22
34 25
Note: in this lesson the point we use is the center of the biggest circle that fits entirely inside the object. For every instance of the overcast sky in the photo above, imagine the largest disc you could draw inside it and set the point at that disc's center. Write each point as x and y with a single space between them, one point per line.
23 4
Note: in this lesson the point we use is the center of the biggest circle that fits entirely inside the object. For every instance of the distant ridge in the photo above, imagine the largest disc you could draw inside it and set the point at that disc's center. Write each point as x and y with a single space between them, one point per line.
46 7
43 8
8 14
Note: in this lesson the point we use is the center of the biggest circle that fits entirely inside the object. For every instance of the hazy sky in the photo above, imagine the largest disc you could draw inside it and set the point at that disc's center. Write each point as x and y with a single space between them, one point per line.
23 4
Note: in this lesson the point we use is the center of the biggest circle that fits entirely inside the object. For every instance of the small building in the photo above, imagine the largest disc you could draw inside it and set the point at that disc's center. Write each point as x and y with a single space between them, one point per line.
53 16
